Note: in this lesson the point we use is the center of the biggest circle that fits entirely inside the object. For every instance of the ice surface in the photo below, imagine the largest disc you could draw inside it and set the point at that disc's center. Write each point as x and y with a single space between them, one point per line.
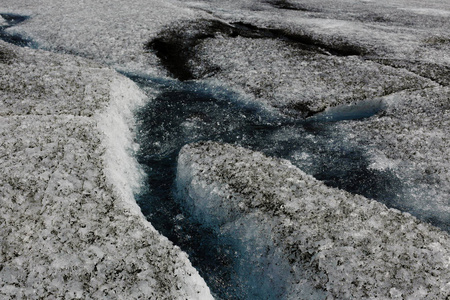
191 111
404 58
53 84
403 51
412 139
111 32
347 246
270 70
381 29
294 80
70 227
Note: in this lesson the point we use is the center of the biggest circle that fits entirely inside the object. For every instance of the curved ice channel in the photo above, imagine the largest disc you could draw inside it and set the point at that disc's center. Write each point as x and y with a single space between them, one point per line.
182 113
10 21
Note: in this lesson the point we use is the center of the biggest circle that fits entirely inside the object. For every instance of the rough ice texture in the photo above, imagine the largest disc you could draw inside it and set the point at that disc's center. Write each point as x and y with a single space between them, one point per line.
412 139
360 50
406 45
291 79
403 61
384 28
386 35
111 32
69 226
353 248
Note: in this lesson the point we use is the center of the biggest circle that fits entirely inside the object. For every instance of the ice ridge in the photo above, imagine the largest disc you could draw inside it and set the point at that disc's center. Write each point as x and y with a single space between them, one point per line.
342 244
69 225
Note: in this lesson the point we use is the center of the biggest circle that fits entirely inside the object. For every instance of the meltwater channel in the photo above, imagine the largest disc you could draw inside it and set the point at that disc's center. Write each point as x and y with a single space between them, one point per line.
185 112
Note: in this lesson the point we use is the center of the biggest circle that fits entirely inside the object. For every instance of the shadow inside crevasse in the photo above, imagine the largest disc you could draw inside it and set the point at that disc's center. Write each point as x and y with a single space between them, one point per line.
288 5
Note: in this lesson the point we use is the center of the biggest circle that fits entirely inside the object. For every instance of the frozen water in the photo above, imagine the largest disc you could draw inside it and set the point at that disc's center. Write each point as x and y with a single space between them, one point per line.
70 227
8 20
402 58
186 112
355 111
337 245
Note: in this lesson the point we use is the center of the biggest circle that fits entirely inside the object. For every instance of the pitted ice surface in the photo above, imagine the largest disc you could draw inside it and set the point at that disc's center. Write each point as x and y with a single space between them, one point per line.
343 245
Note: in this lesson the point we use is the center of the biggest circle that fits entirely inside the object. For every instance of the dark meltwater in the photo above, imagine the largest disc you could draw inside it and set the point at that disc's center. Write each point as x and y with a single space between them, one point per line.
12 20
187 112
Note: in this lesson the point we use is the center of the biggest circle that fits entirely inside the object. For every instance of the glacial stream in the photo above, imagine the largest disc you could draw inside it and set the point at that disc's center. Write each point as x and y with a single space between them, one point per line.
185 112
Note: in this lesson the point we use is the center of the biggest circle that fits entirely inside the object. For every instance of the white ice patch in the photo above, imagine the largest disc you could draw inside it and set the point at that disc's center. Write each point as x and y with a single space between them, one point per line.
124 171
115 123
348 246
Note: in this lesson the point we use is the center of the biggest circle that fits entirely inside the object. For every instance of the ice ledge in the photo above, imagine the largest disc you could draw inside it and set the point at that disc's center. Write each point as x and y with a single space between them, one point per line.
69 226
353 248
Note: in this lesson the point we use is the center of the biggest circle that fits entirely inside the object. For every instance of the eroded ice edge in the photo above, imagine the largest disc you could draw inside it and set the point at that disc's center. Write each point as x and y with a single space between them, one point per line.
313 240
70 226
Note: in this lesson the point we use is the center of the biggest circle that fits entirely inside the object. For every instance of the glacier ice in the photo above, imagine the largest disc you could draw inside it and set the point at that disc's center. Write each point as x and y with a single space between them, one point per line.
70 227
183 112
412 140
405 64
344 246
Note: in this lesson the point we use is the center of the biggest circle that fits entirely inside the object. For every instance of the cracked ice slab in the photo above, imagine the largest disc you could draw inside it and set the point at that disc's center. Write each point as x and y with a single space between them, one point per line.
349 246
299 81
69 225
389 33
